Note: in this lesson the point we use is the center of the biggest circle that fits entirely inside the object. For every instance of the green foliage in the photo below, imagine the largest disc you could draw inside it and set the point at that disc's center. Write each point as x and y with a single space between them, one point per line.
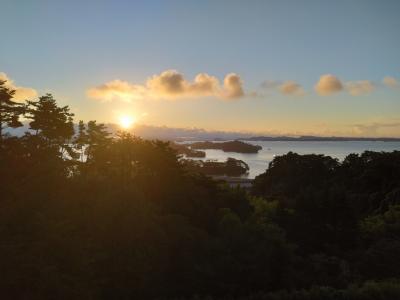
287 175
382 225
328 199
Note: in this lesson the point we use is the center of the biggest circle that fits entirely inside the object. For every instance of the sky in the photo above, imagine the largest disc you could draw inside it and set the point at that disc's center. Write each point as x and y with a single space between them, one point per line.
267 67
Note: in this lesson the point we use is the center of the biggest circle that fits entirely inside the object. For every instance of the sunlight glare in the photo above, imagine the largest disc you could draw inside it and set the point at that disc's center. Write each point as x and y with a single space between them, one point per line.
126 121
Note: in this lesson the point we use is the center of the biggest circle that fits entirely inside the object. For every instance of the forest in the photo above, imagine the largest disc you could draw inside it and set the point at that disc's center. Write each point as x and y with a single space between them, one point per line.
85 214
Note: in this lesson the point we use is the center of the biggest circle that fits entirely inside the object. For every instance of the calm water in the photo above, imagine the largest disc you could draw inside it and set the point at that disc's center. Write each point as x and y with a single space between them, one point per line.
258 163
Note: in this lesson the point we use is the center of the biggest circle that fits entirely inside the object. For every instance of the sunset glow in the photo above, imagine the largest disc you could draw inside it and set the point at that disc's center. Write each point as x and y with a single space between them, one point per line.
200 149
325 69
126 122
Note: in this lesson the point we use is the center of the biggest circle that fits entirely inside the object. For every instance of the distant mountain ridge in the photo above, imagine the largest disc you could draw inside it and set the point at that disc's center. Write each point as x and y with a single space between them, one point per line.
311 138
199 134
159 132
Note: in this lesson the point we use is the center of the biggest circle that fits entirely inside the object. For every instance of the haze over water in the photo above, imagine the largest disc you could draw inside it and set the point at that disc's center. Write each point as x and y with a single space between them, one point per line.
258 162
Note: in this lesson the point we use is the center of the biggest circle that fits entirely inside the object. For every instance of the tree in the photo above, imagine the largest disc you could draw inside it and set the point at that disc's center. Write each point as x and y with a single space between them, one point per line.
81 139
292 173
9 109
96 137
51 122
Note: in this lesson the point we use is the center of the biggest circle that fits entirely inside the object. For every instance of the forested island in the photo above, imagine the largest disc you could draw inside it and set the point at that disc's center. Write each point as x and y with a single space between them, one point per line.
89 215
186 151
229 146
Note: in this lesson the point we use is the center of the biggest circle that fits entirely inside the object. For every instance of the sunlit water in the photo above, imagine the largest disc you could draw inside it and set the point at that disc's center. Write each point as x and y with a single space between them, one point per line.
258 162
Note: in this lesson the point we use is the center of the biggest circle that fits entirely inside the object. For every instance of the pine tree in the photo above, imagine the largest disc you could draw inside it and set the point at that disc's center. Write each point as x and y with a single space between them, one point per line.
9 109
52 123
81 140
97 136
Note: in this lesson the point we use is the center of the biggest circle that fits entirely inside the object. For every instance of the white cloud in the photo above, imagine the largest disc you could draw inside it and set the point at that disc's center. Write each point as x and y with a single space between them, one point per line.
391 82
288 87
233 87
267 84
328 85
117 89
21 93
291 88
358 88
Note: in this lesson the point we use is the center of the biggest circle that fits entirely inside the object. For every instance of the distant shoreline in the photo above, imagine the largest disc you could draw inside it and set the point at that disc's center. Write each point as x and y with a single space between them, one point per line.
193 135
319 139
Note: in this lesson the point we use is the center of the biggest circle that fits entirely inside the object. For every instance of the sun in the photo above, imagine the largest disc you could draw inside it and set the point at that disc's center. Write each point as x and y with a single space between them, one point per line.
126 121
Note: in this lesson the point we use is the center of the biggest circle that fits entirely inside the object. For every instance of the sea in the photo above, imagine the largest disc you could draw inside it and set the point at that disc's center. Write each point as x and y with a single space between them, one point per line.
258 162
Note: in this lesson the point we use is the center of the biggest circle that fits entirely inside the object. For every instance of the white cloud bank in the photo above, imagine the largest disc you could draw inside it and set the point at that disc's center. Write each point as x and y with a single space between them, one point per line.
171 84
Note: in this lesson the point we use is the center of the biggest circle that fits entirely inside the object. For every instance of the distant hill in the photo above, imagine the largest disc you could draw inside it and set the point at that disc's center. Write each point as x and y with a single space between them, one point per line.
199 134
161 132
307 138
182 134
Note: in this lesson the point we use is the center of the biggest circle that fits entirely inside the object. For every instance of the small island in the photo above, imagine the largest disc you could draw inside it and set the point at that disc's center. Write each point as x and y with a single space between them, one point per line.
231 146
231 167
187 151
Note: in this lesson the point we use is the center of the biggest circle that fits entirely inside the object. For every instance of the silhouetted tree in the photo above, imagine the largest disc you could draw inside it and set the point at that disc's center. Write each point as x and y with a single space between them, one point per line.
81 140
9 109
51 122
96 138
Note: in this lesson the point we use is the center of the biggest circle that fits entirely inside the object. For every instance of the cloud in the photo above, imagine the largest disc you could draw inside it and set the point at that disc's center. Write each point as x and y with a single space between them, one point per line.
358 88
168 83
267 84
328 85
117 89
171 84
21 93
291 88
391 82
233 86
204 84
288 87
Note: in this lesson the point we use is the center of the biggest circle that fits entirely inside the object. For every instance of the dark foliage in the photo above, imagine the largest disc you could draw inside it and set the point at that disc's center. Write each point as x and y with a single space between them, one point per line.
370 290
231 167
9 109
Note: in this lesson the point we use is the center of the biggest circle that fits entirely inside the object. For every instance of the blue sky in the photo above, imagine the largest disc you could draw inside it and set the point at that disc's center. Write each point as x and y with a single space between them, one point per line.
71 47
